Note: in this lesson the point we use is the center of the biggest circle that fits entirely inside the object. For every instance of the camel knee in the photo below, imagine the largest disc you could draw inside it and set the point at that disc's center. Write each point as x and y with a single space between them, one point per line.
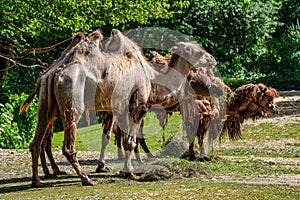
70 155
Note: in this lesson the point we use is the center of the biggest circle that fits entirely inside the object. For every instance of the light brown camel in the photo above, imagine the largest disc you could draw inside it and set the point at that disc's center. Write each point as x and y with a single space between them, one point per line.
47 143
86 70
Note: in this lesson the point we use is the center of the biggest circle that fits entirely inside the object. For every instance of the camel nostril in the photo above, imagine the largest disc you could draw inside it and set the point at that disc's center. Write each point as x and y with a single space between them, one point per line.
114 32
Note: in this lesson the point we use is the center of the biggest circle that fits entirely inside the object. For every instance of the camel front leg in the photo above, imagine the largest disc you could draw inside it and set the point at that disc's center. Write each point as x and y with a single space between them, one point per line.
130 141
69 151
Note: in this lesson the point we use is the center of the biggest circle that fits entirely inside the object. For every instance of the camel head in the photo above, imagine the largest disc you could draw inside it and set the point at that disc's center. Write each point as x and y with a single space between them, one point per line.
196 55
203 86
95 38
266 98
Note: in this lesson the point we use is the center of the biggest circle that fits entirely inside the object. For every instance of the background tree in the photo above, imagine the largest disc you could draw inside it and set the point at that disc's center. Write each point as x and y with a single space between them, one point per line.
29 33
252 40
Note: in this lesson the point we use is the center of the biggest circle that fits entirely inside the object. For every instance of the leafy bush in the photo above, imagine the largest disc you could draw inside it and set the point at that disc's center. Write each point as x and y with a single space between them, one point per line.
16 130
285 66
235 32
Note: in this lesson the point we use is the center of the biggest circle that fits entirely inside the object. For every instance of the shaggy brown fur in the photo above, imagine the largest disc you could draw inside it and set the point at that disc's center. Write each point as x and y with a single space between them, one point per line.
204 85
250 101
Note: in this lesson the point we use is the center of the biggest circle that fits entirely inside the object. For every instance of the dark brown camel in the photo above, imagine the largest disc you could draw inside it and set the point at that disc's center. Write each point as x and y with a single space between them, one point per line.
214 88
250 101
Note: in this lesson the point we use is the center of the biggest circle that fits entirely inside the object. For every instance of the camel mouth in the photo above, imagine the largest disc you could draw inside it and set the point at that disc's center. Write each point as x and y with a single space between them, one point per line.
273 108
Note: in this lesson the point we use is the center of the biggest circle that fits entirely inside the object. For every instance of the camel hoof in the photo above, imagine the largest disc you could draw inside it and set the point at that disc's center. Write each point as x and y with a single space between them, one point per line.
103 169
191 158
60 173
129 175
205 158
150 155
38 184
89 183
48 175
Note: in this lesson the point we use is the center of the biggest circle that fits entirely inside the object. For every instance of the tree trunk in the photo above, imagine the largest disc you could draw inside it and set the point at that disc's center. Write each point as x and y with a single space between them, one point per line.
6 50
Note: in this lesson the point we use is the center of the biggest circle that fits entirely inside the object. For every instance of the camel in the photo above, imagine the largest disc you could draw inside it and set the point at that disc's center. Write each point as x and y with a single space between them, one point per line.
202 86
47 144
196 80
168 102
96 71
170 88
249 101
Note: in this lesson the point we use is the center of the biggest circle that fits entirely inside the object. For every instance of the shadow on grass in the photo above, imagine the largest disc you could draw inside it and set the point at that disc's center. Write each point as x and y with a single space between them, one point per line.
91 162
21 184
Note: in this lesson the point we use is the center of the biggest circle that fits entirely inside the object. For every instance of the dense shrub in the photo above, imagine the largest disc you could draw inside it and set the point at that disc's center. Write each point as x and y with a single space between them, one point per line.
235 32
16 130
284 71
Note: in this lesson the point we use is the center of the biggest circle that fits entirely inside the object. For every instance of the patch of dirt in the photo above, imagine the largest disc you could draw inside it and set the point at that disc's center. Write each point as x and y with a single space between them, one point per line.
284 179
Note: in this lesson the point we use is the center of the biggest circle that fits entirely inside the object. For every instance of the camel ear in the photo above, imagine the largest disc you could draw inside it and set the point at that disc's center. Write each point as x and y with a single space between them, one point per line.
174 49
188 50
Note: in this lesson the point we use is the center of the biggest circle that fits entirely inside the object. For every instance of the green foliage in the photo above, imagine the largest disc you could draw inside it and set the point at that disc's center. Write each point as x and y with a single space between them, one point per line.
16 130
285 63
234 31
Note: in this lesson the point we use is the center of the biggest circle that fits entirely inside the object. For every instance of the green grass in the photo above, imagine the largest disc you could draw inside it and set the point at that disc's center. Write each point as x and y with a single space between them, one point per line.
89 138
182 189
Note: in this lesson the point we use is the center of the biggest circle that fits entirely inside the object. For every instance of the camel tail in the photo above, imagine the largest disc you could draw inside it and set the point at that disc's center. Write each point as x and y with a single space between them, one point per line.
231 128
26 104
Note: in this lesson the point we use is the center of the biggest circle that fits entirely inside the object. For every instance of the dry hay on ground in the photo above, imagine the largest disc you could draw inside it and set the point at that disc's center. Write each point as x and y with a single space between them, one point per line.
164 169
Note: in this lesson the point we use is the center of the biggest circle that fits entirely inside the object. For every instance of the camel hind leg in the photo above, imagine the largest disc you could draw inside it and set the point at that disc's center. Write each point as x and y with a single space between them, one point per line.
68 149
39 136
48 149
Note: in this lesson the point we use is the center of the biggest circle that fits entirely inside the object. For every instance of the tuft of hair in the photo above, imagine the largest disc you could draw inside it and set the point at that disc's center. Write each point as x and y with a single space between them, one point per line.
231 128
